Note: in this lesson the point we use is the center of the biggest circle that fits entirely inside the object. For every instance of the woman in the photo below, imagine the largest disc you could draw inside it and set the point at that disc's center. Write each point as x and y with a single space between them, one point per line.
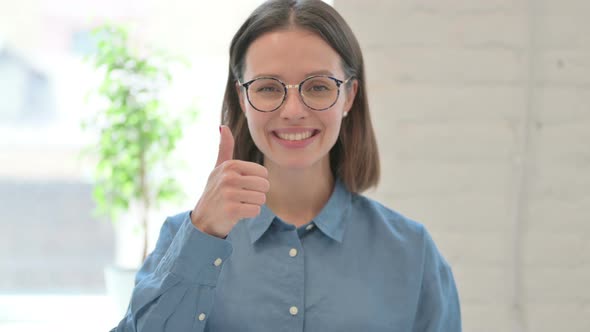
281 238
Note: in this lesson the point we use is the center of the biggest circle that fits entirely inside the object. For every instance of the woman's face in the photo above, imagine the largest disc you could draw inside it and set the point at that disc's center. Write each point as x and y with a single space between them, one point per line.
291 56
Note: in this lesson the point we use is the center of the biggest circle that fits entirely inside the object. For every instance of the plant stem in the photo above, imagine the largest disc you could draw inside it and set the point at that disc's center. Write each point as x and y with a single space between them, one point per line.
145 206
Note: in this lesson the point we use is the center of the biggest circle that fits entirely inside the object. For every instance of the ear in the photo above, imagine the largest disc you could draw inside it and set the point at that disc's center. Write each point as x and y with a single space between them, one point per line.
350 94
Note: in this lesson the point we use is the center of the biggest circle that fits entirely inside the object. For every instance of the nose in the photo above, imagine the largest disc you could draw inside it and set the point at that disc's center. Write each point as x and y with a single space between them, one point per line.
293 107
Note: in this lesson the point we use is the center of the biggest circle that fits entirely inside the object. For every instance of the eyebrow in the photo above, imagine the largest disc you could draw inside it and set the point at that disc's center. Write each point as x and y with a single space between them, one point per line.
317 72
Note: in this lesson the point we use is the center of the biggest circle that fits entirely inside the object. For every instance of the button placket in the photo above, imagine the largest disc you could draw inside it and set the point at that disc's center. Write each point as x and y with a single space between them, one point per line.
295 260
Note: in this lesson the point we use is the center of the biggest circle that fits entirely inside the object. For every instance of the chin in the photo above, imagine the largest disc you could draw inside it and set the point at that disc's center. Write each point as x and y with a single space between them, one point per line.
297 164
294 163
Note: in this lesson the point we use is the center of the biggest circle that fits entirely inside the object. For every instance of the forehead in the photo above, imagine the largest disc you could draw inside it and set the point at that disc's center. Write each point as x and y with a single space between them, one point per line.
290 54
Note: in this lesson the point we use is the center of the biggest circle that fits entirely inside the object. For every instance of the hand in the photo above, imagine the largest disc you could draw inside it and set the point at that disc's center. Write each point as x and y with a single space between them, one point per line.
235 189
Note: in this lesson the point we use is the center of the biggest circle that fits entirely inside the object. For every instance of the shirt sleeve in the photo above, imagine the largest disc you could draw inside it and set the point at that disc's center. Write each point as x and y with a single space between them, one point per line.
438 305
174 287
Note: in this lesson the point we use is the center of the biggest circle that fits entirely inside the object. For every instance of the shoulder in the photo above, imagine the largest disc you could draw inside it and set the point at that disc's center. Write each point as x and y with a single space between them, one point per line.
387 222
379 215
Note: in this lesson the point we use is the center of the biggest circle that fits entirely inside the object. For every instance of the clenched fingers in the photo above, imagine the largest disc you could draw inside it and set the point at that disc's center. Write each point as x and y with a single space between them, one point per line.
246 196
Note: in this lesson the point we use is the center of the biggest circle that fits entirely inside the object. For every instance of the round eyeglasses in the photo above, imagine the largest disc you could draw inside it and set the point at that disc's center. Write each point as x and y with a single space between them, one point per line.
319 92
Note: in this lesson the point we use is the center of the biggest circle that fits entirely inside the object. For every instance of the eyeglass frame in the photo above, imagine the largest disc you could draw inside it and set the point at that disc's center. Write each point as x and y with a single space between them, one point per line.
246 86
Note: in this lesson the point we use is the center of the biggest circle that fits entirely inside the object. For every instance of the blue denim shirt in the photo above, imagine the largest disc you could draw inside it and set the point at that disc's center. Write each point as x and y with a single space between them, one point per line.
357 266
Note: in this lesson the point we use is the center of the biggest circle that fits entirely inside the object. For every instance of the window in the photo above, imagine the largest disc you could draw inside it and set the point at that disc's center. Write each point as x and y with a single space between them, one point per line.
53 251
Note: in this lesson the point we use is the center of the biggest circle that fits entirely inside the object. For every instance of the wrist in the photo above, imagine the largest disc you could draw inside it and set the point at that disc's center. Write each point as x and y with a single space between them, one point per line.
198 223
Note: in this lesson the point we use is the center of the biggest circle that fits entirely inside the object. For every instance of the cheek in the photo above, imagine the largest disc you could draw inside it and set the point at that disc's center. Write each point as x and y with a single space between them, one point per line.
332 124
253 125
333 120
256 123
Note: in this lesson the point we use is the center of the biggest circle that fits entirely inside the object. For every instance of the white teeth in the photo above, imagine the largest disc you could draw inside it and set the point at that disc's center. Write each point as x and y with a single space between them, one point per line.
295 137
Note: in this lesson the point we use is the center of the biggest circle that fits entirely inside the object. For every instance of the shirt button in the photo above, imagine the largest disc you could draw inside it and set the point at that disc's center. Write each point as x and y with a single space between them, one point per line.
217 262
309 227
293 310
202 317
293 252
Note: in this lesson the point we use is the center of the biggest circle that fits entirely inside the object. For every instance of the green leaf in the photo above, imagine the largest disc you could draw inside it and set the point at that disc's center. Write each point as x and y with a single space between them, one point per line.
135 131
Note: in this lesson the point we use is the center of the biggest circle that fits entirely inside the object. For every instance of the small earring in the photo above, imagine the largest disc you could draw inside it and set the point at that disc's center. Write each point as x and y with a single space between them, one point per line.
345 114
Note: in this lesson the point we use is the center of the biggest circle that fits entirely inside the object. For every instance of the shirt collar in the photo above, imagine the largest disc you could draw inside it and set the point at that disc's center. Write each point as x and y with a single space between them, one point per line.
259 224
331 220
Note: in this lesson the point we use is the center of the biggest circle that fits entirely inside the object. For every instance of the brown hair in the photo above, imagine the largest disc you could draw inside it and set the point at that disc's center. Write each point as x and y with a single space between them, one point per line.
354 158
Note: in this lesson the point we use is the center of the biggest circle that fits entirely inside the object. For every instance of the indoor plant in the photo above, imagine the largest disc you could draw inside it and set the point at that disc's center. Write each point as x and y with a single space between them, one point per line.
136 134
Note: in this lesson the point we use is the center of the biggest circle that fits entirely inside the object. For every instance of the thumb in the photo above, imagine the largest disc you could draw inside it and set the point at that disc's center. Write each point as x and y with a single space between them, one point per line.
226 145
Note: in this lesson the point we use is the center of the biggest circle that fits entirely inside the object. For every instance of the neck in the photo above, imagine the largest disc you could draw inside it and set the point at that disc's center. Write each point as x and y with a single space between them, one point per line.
298 195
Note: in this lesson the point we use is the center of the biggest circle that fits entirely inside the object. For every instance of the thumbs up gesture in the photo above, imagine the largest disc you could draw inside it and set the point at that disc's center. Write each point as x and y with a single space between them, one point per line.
235 190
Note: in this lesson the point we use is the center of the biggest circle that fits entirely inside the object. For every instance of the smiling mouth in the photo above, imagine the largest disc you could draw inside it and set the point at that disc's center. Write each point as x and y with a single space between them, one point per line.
296 136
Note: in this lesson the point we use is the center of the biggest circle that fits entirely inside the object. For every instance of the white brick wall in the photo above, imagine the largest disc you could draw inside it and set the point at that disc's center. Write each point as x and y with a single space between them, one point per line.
482 112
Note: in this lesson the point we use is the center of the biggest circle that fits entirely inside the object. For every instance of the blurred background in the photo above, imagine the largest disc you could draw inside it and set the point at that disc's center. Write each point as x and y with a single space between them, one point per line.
482 113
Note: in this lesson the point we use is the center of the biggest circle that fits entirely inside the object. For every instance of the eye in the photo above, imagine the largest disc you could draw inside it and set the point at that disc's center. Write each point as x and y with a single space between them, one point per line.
265 86
319 88
268 88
